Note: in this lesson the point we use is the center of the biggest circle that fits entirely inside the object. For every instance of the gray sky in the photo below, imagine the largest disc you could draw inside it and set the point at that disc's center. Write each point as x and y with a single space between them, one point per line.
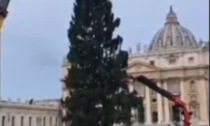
35 38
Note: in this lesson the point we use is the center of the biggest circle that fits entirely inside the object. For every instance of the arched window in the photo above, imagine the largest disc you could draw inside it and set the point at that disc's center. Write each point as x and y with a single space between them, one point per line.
56 121
39 121
135 115
44 121
169 42
172 59
154 117
3 121
50 121
13 121
22 120
176 111
141 113
192 86
187 40
195 108
30 121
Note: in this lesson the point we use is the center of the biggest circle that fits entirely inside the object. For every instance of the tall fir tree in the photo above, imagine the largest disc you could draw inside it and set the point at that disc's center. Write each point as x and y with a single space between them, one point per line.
98 97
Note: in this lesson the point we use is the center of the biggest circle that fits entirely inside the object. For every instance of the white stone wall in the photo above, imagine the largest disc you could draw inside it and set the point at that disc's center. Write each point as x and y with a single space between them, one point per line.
38 113
187 58
194 60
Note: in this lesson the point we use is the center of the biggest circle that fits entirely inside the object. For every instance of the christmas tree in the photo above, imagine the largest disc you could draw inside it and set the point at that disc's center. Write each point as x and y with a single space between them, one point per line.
98 97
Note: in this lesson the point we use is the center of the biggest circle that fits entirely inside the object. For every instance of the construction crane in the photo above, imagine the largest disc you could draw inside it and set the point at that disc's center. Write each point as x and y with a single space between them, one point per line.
3 14
174 98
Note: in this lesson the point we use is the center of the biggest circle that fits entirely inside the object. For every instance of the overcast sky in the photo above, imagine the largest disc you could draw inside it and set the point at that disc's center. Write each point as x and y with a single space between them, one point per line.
35 38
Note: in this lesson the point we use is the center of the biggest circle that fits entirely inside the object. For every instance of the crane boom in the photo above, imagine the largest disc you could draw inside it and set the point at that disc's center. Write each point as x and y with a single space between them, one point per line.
152 85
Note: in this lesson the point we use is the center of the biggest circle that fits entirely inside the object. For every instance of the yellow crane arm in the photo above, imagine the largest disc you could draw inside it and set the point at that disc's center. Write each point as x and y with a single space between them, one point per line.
1 22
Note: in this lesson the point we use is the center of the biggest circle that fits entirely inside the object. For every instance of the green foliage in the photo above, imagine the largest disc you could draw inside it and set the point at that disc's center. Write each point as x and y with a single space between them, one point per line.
98 97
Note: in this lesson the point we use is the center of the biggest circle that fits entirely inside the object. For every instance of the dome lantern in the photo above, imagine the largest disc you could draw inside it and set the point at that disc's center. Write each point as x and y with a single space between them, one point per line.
171 17
172 35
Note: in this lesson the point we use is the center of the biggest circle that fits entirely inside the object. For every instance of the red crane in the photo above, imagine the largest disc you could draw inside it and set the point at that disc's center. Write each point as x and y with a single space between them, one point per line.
176 99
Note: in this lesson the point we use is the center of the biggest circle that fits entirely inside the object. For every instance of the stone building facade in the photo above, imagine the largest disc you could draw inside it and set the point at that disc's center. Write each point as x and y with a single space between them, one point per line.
30 113
175 60
178 63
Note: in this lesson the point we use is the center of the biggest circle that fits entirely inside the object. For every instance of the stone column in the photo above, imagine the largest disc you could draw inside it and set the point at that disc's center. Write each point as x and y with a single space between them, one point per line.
203 101
166 105
148 106
159 106
207 93
0 61
182 89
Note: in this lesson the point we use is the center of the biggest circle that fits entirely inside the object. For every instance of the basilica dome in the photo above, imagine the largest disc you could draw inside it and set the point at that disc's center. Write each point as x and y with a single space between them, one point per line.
172 35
